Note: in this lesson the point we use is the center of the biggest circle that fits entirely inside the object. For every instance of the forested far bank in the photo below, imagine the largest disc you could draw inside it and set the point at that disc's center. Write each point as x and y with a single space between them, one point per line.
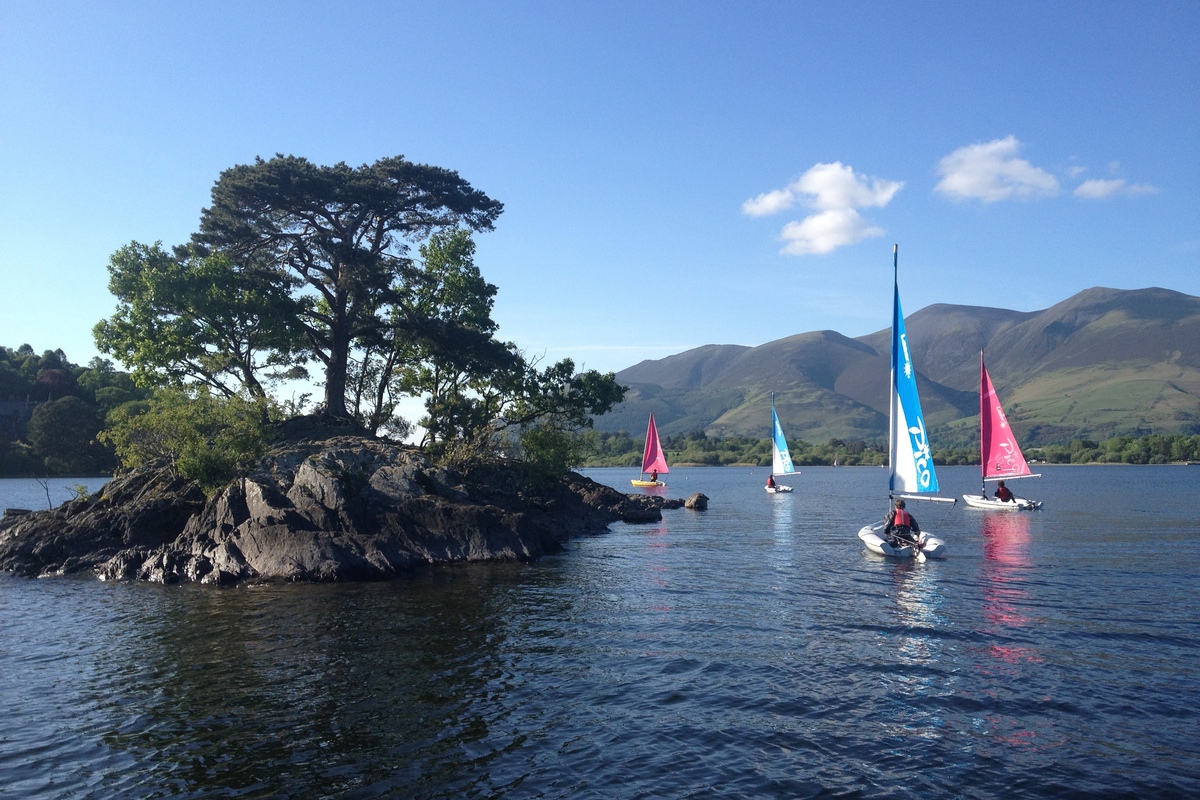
52 410
360 280
621 450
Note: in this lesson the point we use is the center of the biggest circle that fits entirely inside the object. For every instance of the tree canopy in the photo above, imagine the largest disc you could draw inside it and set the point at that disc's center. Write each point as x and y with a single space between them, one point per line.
186 317
298 265
339 239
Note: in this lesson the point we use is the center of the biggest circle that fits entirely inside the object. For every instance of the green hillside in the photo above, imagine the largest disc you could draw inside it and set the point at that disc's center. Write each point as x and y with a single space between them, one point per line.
1102 363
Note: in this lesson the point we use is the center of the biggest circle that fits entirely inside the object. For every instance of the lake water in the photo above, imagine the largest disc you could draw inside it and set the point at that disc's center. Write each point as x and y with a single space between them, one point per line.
754 650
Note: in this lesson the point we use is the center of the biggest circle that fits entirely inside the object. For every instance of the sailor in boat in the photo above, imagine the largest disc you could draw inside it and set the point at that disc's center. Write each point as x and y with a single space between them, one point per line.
1003 493
654 476
770 481
901 527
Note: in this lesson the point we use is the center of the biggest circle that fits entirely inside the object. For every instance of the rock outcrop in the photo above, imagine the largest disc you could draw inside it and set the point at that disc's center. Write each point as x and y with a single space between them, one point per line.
348 508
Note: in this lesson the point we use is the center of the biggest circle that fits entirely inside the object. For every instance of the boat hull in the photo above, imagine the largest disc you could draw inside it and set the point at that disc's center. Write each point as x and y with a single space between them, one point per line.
872 538
992 504
647 483
778 489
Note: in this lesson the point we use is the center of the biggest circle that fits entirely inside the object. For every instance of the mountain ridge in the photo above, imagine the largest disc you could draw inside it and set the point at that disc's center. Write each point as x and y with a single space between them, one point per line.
1102 362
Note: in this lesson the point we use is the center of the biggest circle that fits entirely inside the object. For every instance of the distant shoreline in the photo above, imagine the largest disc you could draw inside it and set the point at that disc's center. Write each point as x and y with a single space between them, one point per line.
694 464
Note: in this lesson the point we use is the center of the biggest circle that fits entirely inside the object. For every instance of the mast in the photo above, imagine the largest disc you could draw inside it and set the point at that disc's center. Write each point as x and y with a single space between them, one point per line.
983 421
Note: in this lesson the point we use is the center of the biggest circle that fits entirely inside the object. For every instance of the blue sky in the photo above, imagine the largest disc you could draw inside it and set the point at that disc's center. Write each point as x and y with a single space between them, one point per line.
673 174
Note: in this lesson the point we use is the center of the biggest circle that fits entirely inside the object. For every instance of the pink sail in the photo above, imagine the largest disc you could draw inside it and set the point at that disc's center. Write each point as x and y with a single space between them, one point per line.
999 450
653 458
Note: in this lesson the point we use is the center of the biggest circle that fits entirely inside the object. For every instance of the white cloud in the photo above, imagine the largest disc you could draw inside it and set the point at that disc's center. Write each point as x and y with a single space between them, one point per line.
991 171
769 203
835 191
1098 189
835 186
827 231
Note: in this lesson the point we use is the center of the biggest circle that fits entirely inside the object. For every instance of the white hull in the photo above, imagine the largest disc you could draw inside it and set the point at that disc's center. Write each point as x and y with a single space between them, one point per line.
872 537
778 489
1017 504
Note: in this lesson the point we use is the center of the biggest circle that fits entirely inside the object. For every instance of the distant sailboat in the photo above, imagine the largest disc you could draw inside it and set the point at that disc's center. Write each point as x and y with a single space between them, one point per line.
781 459
910 458
654 461
1000 455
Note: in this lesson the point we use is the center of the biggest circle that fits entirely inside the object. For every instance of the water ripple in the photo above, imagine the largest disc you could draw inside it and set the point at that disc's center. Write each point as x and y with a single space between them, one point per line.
751 651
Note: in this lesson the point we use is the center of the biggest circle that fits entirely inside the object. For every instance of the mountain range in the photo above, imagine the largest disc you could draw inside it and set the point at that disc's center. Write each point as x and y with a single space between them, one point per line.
1104 362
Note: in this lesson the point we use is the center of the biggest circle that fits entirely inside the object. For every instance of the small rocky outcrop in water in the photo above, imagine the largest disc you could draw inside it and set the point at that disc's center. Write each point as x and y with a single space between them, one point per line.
348 508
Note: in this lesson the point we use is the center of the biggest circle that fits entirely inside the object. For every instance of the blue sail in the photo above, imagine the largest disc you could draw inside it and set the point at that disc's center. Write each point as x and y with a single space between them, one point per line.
781 459
910 457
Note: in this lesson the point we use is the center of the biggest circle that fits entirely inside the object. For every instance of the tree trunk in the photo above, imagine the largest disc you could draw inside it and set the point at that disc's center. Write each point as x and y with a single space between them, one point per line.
339 361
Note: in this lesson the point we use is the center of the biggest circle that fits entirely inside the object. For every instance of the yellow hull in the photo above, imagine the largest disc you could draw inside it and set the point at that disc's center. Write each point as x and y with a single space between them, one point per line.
648 483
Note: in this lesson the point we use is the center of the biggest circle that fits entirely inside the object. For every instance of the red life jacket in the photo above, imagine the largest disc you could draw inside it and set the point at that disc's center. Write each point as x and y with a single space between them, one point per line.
902 517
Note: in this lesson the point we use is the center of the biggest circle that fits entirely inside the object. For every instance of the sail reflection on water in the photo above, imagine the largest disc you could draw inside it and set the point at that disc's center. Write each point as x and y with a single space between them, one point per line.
918 602
782 525
919 649
1006 540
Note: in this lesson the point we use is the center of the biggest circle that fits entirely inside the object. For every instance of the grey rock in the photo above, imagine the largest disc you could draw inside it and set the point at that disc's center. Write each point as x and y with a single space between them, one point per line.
347 508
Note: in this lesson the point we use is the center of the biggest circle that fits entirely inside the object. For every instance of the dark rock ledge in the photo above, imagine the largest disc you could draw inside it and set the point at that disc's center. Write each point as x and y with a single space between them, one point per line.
347 508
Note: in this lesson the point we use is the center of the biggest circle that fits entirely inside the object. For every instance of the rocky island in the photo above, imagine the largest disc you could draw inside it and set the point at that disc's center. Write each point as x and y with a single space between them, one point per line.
344 508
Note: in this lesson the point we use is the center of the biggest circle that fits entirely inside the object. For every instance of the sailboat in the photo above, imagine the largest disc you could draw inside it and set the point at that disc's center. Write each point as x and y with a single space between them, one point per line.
1000 456
654 461
781 459
911 461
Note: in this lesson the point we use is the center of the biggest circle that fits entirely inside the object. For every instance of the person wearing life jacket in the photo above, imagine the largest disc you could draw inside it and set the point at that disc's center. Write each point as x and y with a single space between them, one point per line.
770 481
1003 493
901 527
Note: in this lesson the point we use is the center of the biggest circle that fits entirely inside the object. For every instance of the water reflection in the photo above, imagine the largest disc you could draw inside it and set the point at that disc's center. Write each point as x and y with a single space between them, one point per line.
1006 560
312 690
918 598
918 651
1006 538
652 661
783 528
657 543
1003 576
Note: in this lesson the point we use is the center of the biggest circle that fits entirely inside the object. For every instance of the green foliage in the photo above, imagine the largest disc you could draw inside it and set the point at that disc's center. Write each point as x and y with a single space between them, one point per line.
442 338
198 318
1152 449
65 432
339 237
547 453
533 419
203 437
63 435
619 450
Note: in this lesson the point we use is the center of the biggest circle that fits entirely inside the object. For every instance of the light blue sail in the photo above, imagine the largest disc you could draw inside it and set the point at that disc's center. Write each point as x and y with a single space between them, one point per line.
910 457
781 459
